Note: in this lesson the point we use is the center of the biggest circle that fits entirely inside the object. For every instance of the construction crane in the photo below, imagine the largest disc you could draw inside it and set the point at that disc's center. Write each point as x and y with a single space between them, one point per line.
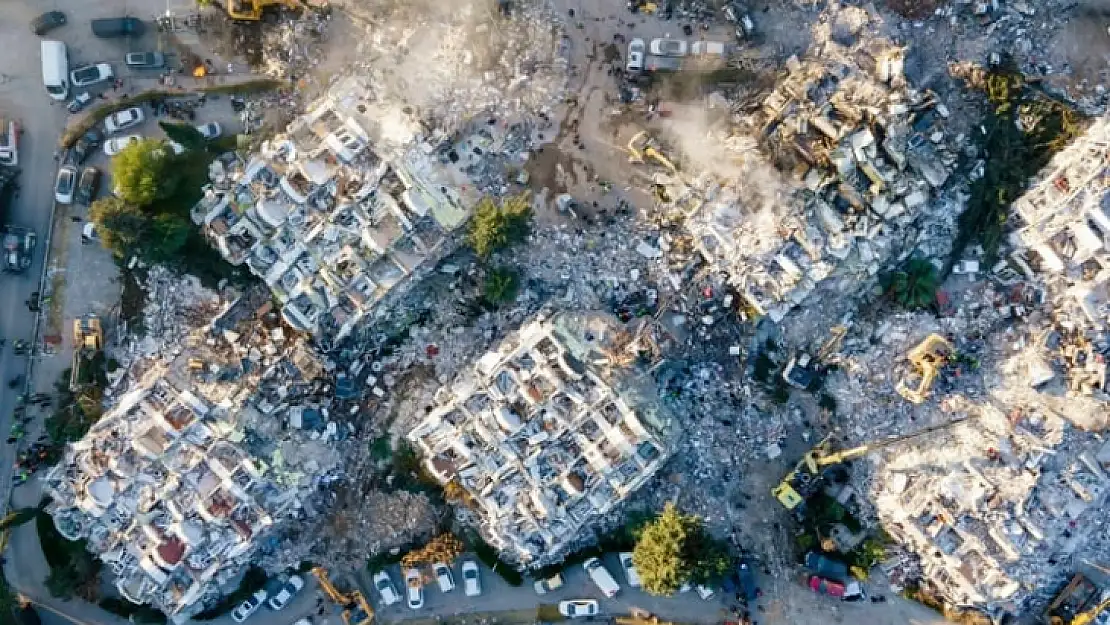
807 476
641 147
356 609
927 359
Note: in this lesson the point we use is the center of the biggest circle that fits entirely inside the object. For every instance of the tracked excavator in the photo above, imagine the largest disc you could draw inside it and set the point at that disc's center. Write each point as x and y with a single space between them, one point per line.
356 609
253 10
641 146
808 475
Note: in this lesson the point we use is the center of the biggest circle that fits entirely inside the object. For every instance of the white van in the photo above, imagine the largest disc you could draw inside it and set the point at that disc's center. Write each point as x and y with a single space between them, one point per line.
55 69
601 577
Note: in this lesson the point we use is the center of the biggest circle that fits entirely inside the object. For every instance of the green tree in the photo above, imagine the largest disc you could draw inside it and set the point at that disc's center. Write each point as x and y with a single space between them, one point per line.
169 233
674 549
143 172
185 134
915 284
500 286
495 227
120 226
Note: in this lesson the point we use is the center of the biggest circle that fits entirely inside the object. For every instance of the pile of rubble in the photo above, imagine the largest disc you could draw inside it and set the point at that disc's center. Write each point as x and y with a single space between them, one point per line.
449 63
174 306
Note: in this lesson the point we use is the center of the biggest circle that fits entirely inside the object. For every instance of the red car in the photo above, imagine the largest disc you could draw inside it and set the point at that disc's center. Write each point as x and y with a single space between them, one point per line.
823 586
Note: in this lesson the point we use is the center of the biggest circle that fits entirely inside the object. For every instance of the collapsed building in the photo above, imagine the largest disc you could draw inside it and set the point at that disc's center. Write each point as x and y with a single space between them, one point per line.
866 158
331 219
199 461
1004 511
549 432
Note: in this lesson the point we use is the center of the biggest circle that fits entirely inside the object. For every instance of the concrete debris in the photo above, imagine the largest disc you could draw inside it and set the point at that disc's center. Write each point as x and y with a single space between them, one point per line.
549 433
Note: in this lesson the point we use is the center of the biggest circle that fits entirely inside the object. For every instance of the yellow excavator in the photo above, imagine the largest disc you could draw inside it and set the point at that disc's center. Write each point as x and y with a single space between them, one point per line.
807 476
252 10
641 147
1084 618
927 359
356 609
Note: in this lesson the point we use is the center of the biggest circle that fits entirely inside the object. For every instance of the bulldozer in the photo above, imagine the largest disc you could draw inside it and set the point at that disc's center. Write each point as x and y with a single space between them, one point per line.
88 341
641 146
253 10
356 609
927 359
808 476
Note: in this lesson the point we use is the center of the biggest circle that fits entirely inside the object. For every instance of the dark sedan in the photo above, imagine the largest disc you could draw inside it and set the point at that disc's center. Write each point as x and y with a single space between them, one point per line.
47 22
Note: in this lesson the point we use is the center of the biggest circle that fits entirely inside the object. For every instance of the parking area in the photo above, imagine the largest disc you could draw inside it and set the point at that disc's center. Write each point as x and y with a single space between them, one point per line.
498 596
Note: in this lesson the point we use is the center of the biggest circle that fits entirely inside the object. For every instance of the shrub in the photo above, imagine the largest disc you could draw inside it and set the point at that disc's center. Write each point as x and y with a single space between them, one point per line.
495 227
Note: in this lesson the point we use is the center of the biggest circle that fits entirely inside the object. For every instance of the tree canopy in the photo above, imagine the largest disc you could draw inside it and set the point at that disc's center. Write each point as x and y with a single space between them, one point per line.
185 134
143 172
494 227
674 549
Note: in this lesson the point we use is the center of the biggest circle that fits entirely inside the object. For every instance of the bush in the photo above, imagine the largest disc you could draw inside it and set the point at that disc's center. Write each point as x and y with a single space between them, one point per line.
914 285
73 570
253 580
495 227
488 556
500 286
135 613
675 549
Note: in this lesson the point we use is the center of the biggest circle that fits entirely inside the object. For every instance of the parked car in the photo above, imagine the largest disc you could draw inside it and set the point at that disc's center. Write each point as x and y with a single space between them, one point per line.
629 569
47 22
601 577
745 574
122 120
823 586
414 589
578 608
243 611
304 621
110 27
79 102
472 582
705 592
635 60
84 146
65 184
545 586
668 47
115 145
286 593
91 74
86 186
710 48
9 142
444 577
386 590
209 131
145 60
825 566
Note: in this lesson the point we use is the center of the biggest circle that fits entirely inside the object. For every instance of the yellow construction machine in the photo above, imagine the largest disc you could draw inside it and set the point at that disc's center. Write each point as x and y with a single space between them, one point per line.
927 359
1078 603
807 477
1084 618
641 147
356 609
88 340
252 10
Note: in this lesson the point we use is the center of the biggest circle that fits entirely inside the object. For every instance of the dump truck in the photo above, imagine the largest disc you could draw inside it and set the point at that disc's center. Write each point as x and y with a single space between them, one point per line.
88 341
356 609
808 476
19 248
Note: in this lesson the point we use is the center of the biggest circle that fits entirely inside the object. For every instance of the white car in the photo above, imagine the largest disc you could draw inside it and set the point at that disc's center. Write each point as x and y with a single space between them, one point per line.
386 588
122 120
444 577
243 611
115 145
286 593
472 583
577 608
91 74
414 589
668 47
65 184
210 131
635 61
176 147
629 569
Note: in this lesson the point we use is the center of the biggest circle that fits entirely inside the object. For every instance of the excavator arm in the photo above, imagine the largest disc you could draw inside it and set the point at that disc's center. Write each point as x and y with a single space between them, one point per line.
1088 617
844 455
